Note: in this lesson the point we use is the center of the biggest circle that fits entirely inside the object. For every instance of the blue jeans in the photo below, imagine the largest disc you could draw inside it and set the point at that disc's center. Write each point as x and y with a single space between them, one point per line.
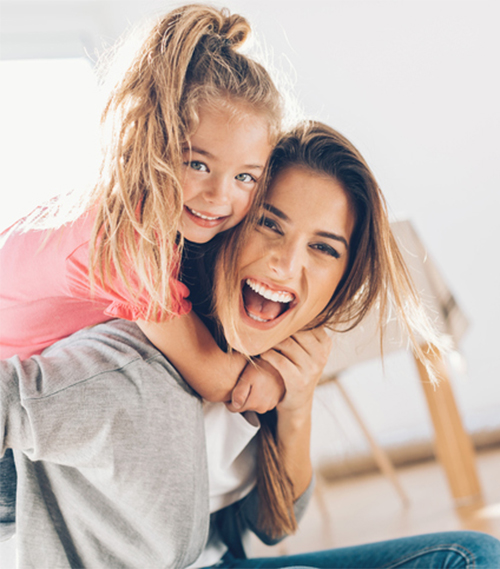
8 483
446 550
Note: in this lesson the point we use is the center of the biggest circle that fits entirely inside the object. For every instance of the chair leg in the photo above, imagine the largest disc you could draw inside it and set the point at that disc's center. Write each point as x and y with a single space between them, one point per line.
381 458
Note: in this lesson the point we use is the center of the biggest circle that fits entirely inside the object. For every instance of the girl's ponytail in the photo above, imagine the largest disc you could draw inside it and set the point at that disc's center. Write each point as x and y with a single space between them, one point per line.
189 57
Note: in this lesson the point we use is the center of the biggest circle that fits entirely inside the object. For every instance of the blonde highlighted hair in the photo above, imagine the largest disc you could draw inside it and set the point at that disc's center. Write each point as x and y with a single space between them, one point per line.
376 275
188 58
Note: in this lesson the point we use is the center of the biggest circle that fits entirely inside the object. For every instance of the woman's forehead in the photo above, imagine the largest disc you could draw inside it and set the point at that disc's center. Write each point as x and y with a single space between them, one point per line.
315 200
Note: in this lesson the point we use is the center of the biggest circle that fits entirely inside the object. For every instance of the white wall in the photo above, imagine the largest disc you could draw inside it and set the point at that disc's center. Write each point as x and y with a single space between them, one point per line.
414 84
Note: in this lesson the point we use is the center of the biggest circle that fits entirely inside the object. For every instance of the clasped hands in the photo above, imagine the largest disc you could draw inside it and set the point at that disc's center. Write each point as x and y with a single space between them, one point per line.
284 377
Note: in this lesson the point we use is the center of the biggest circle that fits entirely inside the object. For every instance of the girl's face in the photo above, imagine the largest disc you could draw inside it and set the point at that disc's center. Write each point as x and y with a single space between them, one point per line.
223 161
292 264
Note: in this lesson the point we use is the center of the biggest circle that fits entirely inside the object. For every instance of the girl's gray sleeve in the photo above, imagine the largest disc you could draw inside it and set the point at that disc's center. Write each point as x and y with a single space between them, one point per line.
237 520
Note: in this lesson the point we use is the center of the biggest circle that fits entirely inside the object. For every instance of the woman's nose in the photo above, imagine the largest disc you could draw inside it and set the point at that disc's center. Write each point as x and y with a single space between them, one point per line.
285 260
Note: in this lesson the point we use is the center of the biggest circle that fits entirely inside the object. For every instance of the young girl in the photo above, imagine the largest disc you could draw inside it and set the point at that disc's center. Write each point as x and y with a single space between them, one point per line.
191 122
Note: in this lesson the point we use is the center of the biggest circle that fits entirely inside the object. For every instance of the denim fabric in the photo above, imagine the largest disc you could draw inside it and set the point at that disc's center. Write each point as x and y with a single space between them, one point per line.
447 550
8 483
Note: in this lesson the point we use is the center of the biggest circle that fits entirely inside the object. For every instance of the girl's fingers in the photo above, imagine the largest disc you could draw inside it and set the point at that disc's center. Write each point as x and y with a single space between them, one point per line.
280 361
300 360
305 347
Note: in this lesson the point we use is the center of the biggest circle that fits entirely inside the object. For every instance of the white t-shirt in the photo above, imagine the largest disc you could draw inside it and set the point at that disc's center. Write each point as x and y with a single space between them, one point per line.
232 463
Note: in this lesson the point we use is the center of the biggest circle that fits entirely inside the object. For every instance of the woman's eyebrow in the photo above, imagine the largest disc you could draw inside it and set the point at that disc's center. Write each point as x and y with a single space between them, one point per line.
334 236
282 215
277 212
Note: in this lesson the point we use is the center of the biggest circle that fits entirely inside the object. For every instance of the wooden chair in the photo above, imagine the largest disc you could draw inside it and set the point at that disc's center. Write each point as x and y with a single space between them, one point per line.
453 445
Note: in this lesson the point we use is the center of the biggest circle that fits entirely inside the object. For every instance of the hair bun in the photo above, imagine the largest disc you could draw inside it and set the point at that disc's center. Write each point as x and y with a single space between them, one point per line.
234 30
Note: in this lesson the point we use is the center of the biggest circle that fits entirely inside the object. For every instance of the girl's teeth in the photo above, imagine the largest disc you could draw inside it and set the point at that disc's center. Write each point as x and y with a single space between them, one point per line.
275 296
198 214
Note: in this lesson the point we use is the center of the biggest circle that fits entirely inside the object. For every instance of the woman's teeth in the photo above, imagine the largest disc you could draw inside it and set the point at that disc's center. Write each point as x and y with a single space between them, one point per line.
275 296
254 317
201 216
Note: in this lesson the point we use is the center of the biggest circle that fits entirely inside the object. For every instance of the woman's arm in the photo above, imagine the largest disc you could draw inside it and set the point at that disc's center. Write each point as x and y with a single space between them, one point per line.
191 348
300 360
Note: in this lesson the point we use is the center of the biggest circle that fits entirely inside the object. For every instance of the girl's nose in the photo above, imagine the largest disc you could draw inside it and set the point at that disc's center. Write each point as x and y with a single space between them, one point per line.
218 190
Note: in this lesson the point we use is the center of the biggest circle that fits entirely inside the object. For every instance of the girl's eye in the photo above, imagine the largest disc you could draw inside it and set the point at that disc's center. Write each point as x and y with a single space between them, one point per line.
326 249
245 178
269 223
196 165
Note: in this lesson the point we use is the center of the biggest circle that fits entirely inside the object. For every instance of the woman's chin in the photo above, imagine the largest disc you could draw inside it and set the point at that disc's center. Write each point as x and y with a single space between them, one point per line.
246 344
253 337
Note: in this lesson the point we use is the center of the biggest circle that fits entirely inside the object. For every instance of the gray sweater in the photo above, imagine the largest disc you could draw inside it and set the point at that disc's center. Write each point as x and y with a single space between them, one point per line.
110 450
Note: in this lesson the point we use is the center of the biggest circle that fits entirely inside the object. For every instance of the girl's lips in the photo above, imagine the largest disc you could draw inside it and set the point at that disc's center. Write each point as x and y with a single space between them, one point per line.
204 219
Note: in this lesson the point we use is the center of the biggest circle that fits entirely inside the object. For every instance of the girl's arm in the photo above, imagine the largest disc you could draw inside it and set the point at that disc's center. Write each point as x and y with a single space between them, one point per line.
192 350
300 360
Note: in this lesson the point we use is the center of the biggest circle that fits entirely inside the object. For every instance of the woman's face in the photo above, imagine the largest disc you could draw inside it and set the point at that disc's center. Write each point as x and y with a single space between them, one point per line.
293 262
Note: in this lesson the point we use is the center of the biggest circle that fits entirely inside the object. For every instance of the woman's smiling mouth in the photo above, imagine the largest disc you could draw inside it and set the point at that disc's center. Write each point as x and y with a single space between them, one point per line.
264 304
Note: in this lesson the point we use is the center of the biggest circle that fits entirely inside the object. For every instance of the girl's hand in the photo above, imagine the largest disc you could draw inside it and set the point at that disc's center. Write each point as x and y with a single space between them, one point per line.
300 360
260 388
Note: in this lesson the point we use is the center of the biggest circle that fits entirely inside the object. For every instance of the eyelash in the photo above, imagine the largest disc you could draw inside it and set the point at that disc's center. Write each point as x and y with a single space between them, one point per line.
198 162
252 179
269 223
323 248
192 162
327 250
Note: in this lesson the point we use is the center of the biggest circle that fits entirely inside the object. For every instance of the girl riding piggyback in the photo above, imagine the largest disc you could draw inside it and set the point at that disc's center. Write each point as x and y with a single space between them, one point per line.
191 122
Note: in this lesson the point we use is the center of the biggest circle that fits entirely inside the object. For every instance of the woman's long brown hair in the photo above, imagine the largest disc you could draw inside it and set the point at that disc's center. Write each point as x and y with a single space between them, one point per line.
376 275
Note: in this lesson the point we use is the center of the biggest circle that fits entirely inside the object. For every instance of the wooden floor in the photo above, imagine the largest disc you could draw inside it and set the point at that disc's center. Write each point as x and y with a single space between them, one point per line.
367 508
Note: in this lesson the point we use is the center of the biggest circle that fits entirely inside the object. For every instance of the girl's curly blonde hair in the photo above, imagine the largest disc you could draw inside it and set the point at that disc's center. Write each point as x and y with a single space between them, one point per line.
188 58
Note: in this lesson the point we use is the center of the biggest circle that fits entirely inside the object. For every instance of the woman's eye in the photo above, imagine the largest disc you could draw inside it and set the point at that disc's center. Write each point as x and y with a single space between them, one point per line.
198 166
326 249
245 178
269 224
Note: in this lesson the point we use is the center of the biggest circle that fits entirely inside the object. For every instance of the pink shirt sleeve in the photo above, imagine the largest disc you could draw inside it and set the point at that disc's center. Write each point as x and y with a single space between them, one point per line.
120 301
45 290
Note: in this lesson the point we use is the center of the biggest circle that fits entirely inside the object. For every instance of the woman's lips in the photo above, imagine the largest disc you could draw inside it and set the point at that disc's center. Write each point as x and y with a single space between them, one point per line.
204 219
264 305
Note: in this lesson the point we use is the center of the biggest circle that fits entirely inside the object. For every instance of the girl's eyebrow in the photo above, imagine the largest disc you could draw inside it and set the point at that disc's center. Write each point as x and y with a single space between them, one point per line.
282 215
198 151
209 155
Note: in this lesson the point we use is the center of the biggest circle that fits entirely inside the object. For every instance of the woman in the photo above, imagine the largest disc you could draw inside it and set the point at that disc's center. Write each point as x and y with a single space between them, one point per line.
322 254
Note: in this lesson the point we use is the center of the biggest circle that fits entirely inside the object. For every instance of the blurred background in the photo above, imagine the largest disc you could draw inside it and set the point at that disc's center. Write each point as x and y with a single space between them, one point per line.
414 84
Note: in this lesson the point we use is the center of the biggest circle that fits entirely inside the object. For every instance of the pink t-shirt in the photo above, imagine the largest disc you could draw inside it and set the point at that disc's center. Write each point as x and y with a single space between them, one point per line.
45 290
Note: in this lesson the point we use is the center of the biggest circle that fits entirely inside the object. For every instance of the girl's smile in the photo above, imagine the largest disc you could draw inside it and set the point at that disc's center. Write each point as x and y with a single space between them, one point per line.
223 161
292 264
